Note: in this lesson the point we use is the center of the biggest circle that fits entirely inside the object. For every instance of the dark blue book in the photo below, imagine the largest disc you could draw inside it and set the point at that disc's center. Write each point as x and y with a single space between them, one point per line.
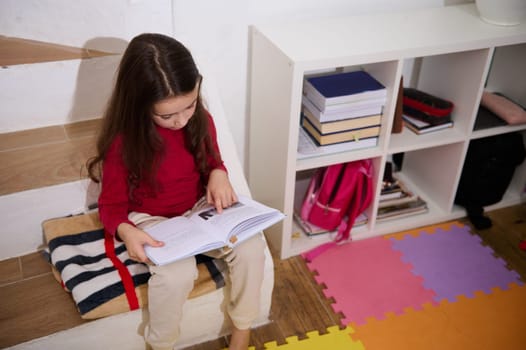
342 88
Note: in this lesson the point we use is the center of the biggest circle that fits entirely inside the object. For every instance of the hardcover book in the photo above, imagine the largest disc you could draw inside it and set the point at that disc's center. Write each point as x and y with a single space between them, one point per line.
421 127
342 125
338 137
342 87
424 117
308 148
396 194
417 206
396 199
345 110
398 122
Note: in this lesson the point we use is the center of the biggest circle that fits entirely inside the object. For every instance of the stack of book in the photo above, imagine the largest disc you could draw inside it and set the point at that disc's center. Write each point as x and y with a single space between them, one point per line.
312 230
424 113
397 201
308 148
343 108
419 126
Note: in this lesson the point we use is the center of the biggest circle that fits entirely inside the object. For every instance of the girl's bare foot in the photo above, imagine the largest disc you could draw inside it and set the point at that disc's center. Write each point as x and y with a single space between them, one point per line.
240 339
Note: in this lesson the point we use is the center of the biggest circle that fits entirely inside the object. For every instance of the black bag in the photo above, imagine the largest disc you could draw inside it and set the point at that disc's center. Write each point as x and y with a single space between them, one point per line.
487 172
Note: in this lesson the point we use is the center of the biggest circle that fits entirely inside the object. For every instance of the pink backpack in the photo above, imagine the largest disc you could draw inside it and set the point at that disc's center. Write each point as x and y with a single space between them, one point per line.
336 195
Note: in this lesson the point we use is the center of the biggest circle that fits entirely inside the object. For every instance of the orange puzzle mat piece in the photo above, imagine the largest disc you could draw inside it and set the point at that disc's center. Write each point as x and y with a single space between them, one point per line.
446 226
487 321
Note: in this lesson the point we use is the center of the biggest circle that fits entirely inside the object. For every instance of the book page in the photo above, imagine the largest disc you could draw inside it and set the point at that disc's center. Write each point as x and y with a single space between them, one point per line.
242 220
181 237
206 229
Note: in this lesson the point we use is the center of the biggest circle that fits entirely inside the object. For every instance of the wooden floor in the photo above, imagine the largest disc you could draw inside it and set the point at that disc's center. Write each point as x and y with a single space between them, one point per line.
298 303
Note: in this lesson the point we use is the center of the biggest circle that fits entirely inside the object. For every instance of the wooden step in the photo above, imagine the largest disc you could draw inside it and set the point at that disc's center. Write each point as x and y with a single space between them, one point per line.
15 51
47 156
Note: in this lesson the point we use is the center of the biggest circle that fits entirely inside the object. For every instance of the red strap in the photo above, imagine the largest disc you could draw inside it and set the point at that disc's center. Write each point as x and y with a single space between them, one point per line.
362 195
127 281
310 255
353 212
438 112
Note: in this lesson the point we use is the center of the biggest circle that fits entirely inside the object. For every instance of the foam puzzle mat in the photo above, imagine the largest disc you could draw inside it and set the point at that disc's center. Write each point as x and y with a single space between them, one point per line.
368 278
437 287
334 339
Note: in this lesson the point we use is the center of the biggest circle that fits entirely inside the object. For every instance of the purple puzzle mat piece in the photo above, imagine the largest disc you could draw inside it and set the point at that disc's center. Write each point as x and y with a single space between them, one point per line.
455 263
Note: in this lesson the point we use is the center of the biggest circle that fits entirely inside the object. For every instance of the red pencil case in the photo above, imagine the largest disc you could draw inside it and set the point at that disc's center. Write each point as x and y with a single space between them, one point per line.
426 107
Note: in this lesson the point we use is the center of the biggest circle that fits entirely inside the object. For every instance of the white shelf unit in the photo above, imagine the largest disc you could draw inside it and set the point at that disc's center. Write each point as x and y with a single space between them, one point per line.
458 54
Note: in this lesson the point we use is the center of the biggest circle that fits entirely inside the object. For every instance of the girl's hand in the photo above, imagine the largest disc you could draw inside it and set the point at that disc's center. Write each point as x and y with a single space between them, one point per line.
134 239
219 191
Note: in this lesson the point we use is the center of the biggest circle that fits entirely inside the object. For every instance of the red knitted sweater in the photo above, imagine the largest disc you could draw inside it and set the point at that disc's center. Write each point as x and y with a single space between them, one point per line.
178 182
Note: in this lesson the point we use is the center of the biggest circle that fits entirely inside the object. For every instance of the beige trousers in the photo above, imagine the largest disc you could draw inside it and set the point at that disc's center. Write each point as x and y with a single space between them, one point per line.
170 285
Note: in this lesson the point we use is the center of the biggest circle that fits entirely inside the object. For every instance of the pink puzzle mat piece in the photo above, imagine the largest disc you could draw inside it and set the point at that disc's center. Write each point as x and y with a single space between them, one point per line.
368 279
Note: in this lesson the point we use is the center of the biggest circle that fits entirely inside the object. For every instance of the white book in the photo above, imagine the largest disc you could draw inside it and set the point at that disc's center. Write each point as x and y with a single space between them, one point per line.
345 110
205 230
308 148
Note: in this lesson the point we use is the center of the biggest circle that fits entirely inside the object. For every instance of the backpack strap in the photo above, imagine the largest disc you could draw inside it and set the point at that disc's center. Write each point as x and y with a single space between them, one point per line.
362 197
313 191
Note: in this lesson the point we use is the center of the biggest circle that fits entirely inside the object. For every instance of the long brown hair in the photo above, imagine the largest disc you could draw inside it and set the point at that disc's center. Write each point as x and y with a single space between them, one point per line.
153 67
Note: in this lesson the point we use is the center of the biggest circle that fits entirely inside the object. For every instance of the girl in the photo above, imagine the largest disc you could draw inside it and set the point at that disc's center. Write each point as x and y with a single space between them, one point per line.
157 155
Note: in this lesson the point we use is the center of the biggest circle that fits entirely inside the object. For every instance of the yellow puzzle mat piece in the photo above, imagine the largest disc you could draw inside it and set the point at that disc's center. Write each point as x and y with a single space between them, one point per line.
335 339
487 321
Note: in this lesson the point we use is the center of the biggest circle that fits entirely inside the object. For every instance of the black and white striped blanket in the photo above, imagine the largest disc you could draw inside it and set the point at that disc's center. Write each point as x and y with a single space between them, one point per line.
98 272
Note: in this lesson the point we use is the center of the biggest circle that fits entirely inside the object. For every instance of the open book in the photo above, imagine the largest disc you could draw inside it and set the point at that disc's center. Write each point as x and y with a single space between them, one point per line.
205 230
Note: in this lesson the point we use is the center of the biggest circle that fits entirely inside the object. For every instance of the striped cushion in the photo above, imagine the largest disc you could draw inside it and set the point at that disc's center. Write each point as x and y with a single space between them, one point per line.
98 272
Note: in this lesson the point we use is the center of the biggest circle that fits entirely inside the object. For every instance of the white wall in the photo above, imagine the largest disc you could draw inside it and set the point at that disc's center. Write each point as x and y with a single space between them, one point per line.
215 31
52 93
77 22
